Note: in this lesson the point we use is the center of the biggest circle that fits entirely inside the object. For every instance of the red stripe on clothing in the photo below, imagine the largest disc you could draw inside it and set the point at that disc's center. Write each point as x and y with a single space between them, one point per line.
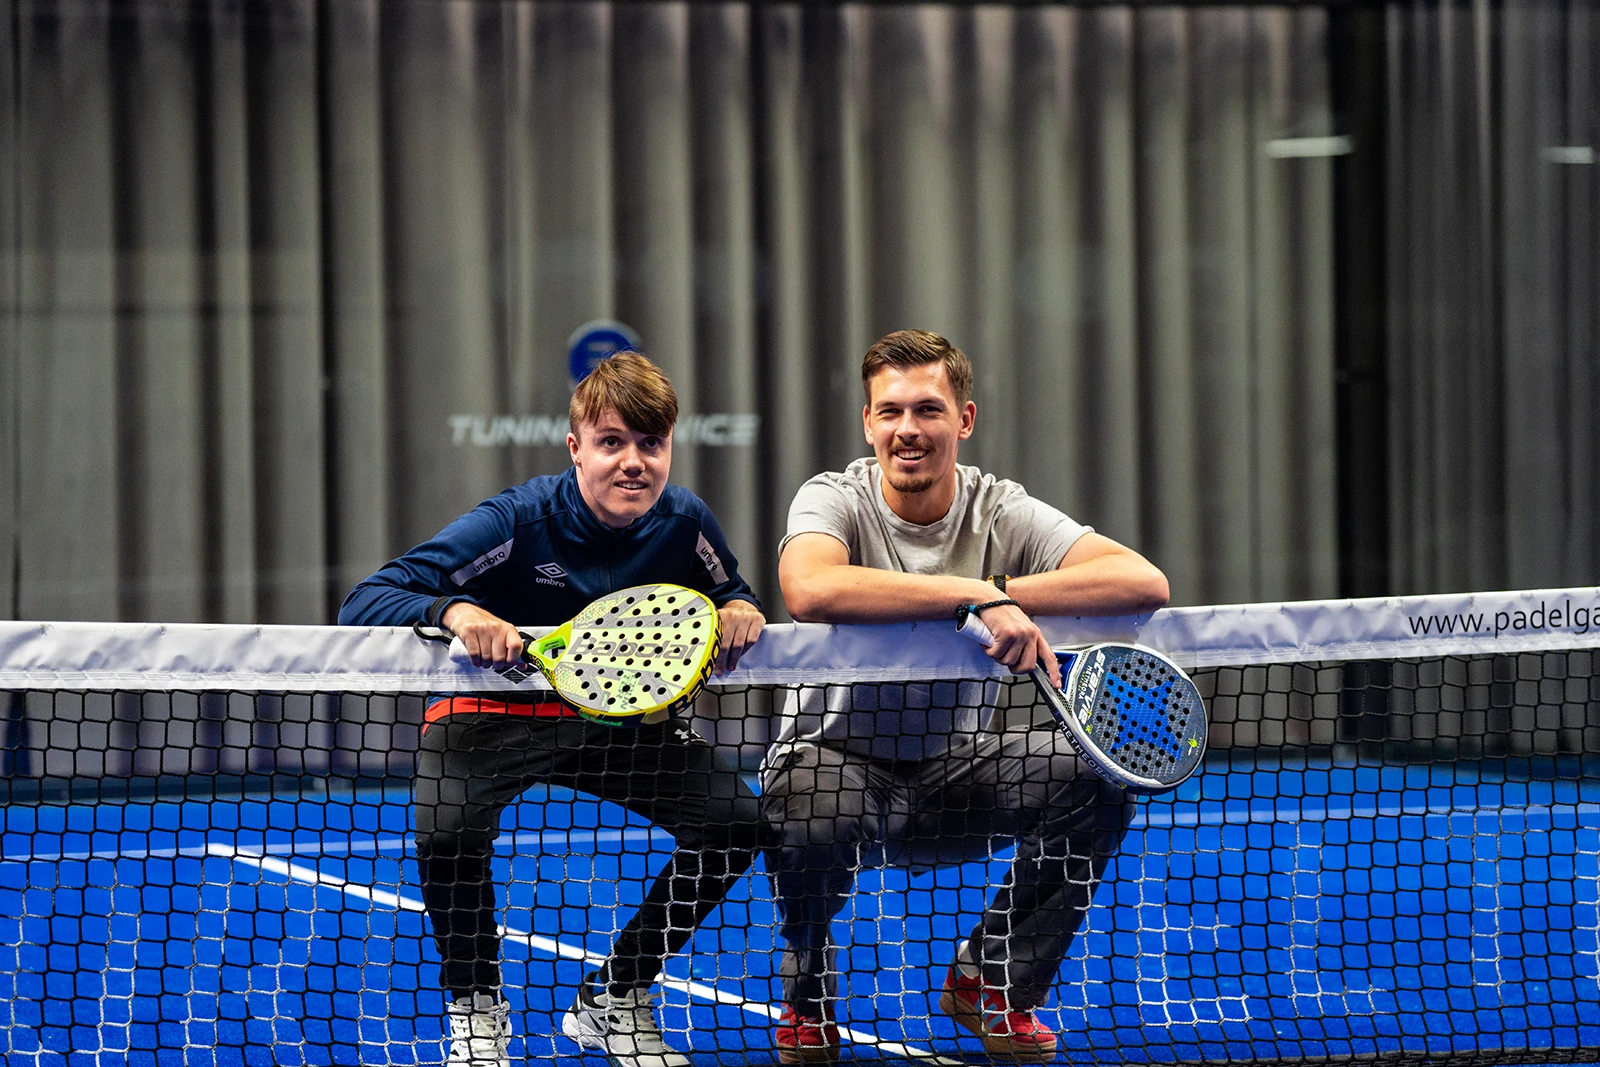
479 706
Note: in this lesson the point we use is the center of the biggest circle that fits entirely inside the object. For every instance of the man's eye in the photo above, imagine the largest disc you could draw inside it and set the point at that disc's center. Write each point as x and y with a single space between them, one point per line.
610 442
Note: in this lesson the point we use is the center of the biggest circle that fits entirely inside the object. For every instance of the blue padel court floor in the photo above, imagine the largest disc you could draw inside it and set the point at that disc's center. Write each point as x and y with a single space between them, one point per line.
1257 914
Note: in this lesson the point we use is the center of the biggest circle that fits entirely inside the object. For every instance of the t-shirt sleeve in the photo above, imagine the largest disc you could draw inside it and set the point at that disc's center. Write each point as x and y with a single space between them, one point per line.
820 506
1040 534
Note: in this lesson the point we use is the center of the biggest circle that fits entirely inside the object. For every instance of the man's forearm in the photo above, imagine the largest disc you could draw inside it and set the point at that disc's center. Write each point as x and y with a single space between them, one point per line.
848 594
379 603
1107 585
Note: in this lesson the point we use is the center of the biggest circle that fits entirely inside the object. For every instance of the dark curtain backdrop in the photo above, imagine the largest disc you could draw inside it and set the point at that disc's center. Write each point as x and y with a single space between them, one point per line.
1493 129
258 255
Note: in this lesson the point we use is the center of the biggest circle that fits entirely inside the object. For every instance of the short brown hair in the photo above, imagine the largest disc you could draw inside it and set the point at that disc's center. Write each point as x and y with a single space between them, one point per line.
914 348
633 387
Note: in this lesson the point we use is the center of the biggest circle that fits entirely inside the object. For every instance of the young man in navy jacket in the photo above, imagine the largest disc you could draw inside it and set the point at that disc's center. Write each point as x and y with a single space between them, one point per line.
537 554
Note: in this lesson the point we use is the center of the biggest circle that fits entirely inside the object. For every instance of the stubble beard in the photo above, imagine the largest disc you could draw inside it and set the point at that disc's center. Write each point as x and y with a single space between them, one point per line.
910 484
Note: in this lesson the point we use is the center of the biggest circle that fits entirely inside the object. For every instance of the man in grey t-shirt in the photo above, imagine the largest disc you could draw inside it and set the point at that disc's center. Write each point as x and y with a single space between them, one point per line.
910 770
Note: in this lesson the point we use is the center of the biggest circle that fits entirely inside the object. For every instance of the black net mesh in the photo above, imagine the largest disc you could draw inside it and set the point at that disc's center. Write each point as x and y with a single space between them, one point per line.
1379 860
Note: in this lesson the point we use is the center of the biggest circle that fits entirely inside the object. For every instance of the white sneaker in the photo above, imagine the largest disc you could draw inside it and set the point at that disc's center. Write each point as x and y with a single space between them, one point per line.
624 1027
480 1030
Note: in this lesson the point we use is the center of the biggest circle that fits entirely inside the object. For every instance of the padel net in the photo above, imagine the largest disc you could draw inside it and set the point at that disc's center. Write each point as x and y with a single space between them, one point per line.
1390 852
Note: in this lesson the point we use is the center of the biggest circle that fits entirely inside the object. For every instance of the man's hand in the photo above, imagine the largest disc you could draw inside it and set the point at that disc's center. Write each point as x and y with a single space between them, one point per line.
1018 643
741 626
489 639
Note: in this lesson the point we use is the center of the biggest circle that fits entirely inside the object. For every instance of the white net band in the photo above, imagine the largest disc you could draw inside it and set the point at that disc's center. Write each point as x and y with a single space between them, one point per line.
91 655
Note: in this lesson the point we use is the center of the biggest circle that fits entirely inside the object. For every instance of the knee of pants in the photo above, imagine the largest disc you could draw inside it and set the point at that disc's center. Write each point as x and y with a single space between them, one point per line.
1113 809
738 827
1090 806
454 844
812 835
445 808
806 809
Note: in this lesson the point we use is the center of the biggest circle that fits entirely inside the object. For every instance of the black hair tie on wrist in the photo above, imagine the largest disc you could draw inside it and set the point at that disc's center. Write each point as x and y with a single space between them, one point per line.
978 609
431 617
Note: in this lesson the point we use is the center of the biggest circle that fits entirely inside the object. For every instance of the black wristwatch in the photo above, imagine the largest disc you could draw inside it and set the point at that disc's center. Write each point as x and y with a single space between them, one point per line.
999 581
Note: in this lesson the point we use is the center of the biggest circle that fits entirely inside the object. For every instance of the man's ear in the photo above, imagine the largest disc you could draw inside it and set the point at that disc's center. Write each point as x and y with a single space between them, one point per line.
969 417
866 422
572 448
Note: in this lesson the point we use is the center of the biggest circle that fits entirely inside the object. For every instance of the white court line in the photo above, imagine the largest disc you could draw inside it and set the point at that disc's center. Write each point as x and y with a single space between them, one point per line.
1242 1003
1235 815
310 875
1222 1004
1158 818
347 846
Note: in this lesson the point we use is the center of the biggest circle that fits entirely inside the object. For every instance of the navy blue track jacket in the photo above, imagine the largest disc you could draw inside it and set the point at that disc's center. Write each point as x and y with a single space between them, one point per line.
535 555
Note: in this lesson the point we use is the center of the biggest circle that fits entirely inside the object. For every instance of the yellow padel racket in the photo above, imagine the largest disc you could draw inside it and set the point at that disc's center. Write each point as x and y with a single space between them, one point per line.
634 656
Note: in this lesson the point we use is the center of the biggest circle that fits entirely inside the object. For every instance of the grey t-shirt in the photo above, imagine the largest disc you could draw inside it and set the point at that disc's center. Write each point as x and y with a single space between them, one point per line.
992 527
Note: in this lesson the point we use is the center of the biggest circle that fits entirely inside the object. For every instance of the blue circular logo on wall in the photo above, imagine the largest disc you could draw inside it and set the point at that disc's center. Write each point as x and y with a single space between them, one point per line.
594 341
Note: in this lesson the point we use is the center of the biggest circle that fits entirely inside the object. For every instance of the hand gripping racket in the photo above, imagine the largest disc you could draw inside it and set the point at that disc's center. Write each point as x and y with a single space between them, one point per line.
1132 714
636 655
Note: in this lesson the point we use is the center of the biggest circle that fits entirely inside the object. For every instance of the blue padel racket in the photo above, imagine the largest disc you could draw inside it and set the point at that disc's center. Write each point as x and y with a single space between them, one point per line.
1131 713
633 656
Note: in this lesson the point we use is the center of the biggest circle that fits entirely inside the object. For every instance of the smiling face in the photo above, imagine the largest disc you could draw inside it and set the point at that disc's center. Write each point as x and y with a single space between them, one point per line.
913 422
621 472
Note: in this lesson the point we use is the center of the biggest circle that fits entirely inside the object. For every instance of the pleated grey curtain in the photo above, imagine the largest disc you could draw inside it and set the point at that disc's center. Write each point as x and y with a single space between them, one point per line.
1494 126
261 254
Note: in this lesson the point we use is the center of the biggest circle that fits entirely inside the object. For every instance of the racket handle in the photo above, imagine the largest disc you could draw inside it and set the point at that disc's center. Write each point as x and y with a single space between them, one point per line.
973 627
517 672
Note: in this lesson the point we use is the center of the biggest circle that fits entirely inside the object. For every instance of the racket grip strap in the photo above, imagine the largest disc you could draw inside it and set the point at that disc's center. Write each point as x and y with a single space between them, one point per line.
968 623
973 627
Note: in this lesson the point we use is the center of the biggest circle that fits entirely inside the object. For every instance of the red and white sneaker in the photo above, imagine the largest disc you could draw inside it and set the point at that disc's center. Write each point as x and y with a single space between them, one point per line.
1014 1035
806 1039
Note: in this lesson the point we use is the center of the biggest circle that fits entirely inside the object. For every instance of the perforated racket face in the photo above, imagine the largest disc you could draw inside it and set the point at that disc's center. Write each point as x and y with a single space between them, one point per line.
1138 715
638 653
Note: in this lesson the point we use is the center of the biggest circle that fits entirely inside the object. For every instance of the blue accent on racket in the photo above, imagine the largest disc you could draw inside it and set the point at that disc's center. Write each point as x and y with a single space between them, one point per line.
1142 715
